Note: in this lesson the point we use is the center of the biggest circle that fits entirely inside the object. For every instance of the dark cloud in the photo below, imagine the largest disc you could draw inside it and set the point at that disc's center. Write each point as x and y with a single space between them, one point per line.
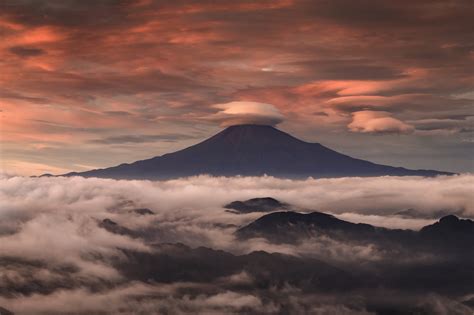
6 94
26 51
69 13
320 114
117 113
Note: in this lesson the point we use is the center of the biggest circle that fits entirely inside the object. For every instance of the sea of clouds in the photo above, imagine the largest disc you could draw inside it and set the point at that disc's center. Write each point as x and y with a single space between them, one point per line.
50 231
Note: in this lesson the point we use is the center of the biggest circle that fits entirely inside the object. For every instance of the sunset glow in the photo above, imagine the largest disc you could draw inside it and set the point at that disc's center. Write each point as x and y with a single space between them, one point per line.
74 73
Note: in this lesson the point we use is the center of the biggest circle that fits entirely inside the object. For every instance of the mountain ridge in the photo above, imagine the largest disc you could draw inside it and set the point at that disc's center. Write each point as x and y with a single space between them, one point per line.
448 233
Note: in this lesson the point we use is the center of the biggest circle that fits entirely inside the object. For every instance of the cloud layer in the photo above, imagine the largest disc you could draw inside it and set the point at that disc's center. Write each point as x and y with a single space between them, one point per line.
190 210
52 235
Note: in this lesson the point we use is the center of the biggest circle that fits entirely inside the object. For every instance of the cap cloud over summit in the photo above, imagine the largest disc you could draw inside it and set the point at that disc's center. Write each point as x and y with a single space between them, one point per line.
247 113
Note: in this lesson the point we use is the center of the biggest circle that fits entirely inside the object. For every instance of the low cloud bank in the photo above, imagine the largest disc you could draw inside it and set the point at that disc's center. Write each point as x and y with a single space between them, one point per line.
52 233
38 212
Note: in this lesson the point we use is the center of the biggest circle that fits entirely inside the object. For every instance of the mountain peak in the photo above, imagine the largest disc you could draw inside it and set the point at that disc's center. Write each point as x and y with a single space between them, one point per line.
451 228
449 219
250 126
251 133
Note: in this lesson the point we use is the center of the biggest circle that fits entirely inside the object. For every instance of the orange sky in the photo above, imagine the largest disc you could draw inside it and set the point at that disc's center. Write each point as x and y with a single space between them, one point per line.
92 84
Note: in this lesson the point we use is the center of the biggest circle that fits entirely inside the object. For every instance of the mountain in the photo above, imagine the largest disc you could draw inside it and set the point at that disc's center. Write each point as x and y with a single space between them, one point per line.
266 204
252 150
452 231
449 234
170 263
450 226
4 311
291 227
115 228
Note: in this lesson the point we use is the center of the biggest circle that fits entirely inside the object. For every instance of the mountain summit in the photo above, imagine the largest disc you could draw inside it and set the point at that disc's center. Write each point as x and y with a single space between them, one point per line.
252 150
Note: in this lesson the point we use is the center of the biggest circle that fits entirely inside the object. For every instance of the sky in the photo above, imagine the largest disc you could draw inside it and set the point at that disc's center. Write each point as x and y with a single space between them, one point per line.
88 84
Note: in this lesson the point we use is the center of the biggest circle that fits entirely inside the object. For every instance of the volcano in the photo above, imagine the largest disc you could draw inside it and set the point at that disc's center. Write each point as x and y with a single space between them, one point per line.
252 150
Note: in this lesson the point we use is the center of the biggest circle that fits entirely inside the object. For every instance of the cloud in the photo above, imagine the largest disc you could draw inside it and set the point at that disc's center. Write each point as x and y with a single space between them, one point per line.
243 112
444 126
377 122
141 138
190 210
50 235
26 51
138 298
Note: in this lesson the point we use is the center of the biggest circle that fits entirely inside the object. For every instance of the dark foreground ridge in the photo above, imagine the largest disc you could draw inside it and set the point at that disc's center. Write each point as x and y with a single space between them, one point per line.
253 150
449 234
331 266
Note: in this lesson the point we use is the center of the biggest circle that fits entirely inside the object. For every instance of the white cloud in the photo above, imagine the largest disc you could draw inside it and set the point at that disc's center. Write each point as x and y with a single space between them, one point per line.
368 121
54 221
59 215
243 112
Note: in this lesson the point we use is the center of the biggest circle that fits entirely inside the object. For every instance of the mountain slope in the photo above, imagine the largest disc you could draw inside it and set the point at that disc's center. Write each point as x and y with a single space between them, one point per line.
252 150
290 227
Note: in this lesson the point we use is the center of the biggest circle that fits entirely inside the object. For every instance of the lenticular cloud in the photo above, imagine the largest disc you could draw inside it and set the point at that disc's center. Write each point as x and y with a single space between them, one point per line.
244 112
